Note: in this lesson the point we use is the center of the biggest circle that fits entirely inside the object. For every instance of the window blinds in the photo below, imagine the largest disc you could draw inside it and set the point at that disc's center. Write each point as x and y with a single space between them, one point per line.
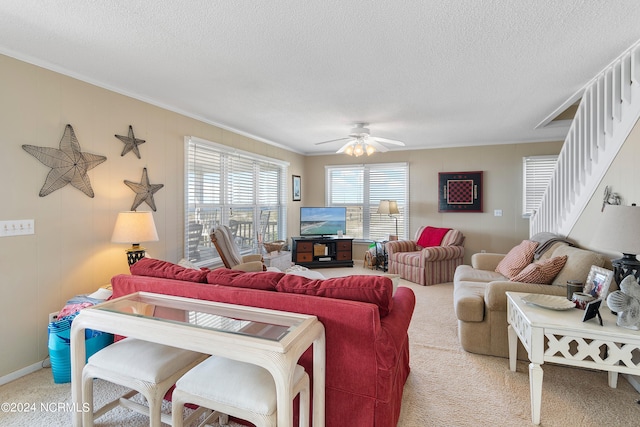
360 188
236 188
537 171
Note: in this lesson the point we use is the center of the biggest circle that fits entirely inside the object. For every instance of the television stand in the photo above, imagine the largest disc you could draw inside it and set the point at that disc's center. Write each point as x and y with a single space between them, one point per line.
318 252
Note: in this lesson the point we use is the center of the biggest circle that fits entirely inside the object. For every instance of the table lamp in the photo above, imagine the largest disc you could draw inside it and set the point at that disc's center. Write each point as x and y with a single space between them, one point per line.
389 207
619 231
134 227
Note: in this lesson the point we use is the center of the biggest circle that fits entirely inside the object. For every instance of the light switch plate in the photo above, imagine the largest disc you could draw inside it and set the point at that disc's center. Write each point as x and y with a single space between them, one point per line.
18 227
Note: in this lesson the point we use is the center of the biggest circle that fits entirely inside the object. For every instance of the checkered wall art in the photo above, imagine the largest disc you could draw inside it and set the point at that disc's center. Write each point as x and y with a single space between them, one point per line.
460 191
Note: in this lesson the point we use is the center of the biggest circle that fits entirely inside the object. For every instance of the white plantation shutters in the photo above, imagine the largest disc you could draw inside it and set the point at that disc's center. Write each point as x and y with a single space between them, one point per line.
536 173
360 188
226 186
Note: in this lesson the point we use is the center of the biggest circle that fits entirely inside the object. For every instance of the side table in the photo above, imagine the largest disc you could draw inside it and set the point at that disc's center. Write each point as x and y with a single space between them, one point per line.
280 260
381 255
552 336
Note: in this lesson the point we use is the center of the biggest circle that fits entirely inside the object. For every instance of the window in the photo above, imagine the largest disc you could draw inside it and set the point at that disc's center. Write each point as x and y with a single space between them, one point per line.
360 188
243 190
536 173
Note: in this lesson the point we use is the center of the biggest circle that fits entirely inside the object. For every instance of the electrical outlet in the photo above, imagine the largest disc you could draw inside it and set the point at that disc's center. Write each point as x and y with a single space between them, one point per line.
53 316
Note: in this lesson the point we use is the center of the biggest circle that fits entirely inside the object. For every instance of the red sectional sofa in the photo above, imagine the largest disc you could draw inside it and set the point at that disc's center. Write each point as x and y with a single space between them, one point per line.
365 325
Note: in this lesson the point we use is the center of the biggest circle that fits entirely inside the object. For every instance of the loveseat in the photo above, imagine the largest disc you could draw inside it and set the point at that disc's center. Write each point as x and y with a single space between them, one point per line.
479 296
366 323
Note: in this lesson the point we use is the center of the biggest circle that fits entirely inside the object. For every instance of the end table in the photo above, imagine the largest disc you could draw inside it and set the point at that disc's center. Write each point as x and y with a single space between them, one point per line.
381 255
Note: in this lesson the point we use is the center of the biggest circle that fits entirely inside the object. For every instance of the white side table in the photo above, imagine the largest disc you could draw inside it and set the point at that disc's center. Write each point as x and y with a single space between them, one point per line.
606 348
281 260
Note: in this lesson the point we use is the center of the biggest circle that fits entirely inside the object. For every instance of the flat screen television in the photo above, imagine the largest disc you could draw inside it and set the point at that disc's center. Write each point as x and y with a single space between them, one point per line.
322 221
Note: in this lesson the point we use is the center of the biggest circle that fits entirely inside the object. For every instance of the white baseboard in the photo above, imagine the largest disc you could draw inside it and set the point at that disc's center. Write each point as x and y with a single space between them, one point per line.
21 373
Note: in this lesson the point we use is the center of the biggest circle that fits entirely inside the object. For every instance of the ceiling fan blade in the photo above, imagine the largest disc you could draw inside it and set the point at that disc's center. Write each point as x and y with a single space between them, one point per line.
379 147
388 141
332 140
344 147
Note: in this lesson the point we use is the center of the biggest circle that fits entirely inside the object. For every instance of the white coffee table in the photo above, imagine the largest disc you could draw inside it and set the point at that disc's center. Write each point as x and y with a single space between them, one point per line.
562 337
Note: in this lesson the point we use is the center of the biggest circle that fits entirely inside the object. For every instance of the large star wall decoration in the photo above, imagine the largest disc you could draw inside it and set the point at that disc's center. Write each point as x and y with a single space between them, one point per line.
130 143
144 191
69 165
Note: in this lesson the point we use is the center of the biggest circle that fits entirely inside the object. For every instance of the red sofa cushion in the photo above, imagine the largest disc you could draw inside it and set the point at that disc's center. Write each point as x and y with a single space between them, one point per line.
167 270
264 280
376 290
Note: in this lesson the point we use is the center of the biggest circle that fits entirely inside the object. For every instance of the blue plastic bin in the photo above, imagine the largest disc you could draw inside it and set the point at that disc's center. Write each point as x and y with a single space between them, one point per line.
60 347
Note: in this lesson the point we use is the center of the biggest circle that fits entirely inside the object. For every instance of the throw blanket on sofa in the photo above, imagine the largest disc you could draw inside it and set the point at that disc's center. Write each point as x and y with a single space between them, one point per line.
432 236
545 241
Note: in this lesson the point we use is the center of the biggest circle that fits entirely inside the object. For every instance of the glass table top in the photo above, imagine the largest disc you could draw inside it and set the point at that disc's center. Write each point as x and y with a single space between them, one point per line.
220 317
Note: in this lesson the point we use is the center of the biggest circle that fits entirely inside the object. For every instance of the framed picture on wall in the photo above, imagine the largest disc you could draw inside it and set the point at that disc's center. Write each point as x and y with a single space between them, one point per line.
296 188
460 191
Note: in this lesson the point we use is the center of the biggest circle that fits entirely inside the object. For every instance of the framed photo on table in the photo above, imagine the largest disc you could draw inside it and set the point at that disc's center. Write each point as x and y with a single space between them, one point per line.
460 191
296 189
598 282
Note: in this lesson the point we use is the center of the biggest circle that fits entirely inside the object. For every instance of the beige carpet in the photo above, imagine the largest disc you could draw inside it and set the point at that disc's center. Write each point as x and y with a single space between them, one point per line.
446 387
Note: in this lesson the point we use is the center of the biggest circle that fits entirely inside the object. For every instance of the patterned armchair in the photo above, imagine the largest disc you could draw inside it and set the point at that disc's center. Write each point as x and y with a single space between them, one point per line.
426 265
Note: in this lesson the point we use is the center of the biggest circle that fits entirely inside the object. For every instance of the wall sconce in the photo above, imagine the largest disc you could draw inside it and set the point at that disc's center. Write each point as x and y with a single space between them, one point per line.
134 227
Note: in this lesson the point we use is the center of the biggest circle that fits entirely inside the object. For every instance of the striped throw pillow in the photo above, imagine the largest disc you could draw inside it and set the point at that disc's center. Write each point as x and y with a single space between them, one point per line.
517 259
542 272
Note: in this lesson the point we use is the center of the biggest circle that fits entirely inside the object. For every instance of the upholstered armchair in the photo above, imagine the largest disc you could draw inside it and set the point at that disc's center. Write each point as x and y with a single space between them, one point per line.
431 262
222 239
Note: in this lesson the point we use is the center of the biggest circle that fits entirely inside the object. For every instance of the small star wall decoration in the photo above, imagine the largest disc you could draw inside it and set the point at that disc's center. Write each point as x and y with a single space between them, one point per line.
130 143
144 191
69 165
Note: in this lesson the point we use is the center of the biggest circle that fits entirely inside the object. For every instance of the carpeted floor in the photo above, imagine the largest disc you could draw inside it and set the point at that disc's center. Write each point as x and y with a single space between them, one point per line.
446 387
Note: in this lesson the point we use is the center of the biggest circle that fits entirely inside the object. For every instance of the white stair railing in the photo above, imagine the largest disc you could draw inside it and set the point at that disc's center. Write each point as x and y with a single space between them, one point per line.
609 109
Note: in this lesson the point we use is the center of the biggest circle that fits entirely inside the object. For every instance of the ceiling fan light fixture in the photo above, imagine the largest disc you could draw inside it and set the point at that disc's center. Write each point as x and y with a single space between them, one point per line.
349 150
370 150
358 150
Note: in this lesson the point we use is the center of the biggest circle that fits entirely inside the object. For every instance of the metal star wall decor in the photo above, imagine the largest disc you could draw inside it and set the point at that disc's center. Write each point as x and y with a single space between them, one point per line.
144 191
130 143
68 164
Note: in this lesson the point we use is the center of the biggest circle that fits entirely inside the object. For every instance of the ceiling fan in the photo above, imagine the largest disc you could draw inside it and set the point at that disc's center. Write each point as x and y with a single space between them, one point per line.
360 142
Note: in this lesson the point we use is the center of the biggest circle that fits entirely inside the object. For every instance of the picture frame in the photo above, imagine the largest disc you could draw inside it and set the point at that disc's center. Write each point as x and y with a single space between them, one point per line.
592 310
460 191
296 188
598 282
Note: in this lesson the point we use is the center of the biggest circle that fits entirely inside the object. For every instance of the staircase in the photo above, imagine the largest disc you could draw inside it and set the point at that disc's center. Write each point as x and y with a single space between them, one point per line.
608 110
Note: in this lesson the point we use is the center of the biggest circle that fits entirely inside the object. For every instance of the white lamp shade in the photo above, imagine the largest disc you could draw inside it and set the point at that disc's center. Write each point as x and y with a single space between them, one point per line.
388 207
619 229
134 227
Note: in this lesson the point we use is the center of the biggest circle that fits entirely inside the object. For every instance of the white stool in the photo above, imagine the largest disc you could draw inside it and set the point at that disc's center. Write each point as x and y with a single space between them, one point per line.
148 368
236 388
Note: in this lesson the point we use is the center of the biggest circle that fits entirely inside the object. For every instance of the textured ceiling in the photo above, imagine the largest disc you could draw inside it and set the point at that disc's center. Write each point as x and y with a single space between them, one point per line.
432 73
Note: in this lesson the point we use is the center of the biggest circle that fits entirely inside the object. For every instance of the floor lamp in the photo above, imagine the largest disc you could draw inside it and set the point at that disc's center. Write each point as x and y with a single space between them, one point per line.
389 207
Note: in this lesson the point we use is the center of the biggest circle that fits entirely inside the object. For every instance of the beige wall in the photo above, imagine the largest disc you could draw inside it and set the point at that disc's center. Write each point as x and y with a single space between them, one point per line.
71 252
502 186
623 176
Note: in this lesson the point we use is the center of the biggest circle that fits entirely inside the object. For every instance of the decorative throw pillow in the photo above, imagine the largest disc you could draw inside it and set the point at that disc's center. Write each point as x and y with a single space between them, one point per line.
158 268
376 290
517 259
542 272
263 280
